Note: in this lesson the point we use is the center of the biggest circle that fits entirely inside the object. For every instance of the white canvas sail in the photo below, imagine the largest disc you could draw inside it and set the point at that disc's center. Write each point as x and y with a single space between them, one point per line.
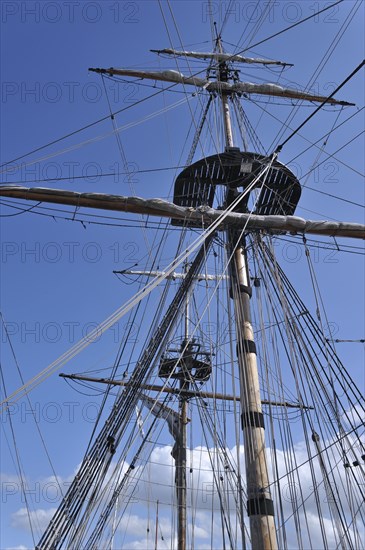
218 56
212 86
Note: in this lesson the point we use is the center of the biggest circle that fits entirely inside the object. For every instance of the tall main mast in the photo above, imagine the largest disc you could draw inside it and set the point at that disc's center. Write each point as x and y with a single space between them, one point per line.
259 502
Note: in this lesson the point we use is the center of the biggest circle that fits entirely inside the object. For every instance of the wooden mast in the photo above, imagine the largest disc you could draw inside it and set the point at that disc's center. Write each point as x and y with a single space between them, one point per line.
260 508
181 440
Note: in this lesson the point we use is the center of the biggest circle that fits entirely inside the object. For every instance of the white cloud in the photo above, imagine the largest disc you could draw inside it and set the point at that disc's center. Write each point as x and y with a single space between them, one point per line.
8 478
39 518
143 544
133 524
152 480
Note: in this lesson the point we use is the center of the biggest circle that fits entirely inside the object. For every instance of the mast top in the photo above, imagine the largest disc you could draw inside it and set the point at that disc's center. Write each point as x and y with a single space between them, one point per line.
230 85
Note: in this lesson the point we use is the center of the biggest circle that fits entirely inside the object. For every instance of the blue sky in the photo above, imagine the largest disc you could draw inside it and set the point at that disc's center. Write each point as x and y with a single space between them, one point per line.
57 279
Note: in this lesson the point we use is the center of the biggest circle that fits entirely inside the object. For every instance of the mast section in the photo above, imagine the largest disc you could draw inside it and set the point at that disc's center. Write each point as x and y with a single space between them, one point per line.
260 507
182 444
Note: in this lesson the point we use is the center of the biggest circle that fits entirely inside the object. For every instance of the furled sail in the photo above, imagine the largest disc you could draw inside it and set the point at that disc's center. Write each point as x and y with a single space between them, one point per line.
160 410
222 57
205 215
219 87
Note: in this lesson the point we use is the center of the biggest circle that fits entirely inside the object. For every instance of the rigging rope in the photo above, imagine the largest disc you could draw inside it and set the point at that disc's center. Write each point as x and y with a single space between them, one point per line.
99 330
356 70
102 450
